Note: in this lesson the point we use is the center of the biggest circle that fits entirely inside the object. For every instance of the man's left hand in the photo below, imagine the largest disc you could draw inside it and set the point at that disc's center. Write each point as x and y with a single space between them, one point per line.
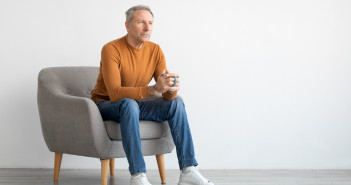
170 76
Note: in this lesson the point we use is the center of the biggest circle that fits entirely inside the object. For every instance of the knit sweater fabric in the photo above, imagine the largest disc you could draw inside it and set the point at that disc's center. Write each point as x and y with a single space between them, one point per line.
125 71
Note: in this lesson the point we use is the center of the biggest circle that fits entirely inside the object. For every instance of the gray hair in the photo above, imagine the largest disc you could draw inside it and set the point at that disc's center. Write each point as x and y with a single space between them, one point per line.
130 12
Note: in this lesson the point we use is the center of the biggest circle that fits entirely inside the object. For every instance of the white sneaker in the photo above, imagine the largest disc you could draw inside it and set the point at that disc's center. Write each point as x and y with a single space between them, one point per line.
139 179
192 176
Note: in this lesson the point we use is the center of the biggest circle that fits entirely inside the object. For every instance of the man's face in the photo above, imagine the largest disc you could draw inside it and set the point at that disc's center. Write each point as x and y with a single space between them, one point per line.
140 28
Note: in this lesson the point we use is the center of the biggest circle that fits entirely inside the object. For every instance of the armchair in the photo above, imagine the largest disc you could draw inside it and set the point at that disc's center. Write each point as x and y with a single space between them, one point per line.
71 122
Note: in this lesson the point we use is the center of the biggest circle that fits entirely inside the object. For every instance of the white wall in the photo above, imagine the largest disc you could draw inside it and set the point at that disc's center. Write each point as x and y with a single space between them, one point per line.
267 84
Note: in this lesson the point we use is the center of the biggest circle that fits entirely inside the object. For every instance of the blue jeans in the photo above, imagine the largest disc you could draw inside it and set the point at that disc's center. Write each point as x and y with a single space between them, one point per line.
128 112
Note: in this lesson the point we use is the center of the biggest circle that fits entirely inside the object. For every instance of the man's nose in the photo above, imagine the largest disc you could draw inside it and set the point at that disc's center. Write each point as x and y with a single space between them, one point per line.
146 27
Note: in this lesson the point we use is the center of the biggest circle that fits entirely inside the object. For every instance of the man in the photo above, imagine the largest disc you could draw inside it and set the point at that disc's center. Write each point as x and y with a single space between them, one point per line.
126 68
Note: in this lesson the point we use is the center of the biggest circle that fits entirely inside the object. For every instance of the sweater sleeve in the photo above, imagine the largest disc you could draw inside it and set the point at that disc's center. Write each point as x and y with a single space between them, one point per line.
112 78
161 65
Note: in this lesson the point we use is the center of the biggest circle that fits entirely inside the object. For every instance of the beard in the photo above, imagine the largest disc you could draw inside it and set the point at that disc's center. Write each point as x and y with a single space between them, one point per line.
144 37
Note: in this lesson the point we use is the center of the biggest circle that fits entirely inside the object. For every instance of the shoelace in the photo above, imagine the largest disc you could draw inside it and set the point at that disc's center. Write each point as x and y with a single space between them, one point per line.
199 176
143 179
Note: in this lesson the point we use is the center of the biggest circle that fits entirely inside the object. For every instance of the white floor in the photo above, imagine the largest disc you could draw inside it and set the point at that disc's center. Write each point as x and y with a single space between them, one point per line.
219 177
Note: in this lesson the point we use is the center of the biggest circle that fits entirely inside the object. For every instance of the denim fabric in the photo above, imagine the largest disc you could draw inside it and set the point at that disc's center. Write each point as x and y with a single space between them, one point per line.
128 112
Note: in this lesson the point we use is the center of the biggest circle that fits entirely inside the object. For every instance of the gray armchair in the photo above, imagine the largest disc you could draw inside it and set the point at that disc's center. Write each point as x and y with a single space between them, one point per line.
71 122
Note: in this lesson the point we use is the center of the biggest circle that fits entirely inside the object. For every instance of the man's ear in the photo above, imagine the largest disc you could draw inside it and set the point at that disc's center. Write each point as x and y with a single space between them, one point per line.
127 26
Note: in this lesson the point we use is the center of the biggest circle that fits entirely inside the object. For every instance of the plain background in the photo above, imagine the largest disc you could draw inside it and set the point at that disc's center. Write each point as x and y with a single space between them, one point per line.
267 84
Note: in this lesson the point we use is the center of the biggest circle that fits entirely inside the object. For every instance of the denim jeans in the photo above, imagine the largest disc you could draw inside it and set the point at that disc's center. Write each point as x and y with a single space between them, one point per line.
128 112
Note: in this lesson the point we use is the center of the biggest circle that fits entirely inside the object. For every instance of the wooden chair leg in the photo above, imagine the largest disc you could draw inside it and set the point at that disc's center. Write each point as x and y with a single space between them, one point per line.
104 171
112 166
57 165
161 167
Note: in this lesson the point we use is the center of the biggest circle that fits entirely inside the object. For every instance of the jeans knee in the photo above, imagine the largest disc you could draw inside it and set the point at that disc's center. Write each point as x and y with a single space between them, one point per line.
129 106
177 104
177 101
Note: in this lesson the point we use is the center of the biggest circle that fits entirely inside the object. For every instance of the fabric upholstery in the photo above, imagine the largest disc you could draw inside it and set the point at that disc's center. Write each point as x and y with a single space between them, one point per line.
148 129
71 122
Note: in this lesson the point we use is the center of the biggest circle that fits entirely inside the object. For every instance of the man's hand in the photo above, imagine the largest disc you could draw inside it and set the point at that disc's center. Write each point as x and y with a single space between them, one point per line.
165 83
173 87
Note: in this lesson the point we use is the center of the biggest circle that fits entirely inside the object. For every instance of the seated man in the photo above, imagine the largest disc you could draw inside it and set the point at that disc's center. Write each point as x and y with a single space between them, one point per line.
126 68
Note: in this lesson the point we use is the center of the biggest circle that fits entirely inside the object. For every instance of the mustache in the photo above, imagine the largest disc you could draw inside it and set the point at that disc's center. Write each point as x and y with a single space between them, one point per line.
145 33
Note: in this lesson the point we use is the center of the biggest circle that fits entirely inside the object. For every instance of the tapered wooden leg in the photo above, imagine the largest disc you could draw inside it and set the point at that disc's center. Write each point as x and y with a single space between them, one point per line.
161 167
104 171
57 165
112 166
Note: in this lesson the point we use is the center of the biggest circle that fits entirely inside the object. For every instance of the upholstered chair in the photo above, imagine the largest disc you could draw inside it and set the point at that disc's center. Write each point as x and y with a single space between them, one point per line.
71 122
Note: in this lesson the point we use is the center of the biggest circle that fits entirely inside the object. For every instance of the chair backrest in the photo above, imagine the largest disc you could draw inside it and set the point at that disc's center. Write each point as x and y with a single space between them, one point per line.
75 81
70 121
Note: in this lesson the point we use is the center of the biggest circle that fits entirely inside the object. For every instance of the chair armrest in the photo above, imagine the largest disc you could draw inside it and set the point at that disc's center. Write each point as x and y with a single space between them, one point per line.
72 124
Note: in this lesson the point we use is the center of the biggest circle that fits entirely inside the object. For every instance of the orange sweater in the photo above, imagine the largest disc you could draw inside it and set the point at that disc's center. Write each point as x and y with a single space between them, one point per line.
125 72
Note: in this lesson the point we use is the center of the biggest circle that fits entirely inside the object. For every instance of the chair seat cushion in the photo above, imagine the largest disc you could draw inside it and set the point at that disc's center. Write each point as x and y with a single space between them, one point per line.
148 129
